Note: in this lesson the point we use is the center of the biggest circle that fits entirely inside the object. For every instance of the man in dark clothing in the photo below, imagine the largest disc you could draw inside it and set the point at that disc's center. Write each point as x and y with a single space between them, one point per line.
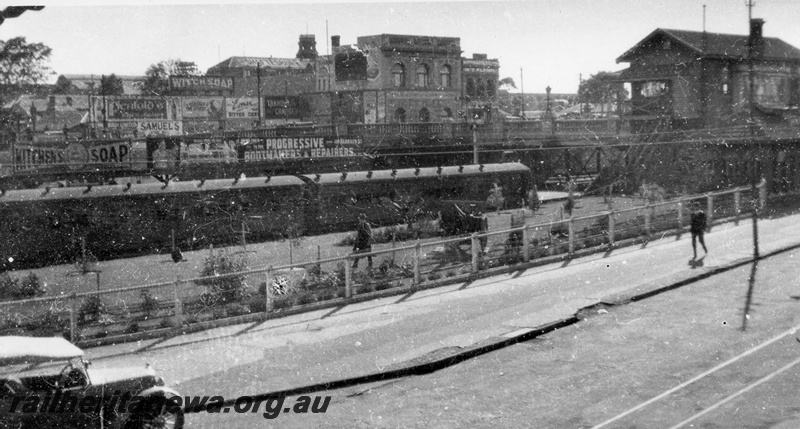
698 227
363 242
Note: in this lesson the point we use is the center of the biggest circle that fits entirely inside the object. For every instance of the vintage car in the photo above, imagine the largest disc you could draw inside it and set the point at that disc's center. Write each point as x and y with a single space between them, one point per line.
45 382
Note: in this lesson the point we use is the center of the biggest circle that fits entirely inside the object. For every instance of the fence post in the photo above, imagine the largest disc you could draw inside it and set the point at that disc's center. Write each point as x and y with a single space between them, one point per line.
475 253
571 234
73 317
268 290
348 278
417 275
611 226
680 218
647 220
178 317
762 195
737 201
526 243
710 209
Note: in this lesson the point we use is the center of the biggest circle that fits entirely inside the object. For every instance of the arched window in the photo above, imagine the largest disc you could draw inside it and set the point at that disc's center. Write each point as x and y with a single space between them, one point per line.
398 75
481 89
490 88
422 76
400 115
424 115
470 87
445 73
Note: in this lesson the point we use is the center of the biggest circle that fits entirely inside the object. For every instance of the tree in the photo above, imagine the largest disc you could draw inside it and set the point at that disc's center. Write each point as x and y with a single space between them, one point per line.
600 88
111 85
23 63
157 82
506 82
63 86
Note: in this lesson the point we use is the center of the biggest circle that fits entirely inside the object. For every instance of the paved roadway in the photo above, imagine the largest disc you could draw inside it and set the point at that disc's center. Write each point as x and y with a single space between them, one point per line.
569 378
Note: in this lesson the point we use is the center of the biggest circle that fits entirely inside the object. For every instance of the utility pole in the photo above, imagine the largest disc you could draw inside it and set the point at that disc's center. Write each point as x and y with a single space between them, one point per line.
258 84
521 95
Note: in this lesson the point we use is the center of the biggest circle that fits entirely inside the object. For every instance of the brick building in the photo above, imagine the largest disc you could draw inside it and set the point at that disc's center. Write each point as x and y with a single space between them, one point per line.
694 79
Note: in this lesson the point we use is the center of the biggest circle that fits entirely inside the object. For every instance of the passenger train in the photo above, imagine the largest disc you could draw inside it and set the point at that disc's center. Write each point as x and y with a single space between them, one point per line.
54 225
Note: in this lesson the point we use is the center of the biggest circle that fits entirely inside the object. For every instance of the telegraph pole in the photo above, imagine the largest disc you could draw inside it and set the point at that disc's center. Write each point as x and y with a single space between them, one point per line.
258 84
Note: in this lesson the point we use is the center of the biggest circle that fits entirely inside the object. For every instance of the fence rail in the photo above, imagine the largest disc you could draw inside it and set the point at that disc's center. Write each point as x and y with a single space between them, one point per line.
426 260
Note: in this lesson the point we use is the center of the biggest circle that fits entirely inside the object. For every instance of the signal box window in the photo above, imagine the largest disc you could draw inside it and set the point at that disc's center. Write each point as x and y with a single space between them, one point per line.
654 89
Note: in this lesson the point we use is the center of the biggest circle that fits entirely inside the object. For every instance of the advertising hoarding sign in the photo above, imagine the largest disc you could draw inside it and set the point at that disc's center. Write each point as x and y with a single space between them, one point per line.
121 108
291 107
159 128
299 147
202 107
76 156
206 83
241 108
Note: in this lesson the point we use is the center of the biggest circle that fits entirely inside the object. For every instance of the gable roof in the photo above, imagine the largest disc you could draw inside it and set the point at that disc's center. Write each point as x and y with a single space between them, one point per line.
728 46
131 85
267 63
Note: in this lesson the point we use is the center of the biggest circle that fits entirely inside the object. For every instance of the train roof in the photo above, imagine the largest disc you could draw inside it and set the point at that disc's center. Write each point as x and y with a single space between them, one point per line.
155 189
124 190
415 173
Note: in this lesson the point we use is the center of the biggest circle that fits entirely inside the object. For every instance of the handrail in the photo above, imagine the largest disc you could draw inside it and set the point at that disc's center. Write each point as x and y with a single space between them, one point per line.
405 248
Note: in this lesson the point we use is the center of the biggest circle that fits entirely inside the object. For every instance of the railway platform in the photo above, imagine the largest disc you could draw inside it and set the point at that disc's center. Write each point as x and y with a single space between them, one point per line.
426 330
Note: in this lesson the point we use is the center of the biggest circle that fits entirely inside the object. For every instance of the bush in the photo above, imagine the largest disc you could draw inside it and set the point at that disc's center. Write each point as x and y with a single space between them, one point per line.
49 323
236 309
91 309
222 284
283 302
11 288
434 276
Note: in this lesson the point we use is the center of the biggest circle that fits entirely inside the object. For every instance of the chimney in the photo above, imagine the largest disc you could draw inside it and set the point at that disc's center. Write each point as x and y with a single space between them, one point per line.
756 39
479 56
334 41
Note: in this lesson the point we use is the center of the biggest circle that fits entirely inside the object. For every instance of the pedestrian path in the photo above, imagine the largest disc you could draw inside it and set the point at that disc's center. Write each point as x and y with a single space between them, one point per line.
427 326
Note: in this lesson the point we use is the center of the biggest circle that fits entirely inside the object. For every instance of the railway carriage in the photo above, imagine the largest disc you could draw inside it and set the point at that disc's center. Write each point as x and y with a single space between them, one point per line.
56 225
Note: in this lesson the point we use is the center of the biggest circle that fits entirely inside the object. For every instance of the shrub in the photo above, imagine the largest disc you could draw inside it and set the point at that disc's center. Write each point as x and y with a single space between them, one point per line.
11 288
283 302
236 309
222 284
31 287
91 309
257 304
306 298
434 276
49 323
133 327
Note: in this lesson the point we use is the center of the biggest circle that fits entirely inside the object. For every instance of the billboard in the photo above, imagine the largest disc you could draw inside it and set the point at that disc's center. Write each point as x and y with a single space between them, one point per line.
205 83
205 108
299 147
74 157
278 107
241 108
121 108
159 128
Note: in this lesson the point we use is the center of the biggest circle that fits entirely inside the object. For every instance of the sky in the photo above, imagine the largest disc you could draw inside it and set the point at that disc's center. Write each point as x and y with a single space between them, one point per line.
538 43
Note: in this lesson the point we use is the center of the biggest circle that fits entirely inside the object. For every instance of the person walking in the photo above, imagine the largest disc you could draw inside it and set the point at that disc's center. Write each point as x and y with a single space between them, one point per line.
363 242
698 228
